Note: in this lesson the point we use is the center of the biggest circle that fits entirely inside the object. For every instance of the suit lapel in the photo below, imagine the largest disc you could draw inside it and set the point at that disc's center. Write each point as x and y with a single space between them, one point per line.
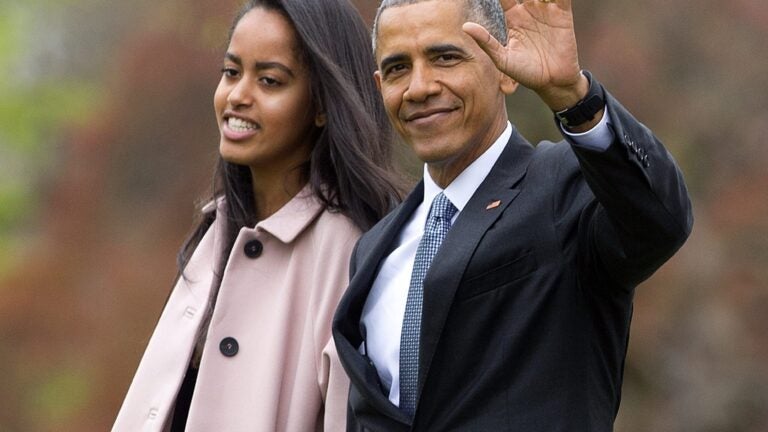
369 261
449 264
384 241
350 308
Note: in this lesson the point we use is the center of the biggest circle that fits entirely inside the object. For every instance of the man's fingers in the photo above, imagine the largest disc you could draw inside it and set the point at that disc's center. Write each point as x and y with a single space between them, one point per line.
509 4
486 41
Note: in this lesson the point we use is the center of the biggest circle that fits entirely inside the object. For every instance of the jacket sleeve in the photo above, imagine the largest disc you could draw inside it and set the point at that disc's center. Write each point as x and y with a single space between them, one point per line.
640 214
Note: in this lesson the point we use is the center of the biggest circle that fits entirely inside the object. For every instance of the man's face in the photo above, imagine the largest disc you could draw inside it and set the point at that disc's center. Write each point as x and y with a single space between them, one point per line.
442 92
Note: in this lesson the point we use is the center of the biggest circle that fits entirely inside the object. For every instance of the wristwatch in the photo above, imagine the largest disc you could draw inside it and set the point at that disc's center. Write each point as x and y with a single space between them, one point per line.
586 108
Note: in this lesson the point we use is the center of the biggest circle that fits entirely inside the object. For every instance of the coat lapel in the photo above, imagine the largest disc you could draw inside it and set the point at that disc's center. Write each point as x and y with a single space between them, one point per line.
377 245
490 200
384 242
347 329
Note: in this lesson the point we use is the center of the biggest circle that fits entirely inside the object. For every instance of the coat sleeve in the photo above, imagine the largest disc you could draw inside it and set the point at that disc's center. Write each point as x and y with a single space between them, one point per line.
638 213
333 268
334 384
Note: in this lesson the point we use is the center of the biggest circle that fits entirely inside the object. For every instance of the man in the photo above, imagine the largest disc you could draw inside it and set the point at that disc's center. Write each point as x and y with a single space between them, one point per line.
498 295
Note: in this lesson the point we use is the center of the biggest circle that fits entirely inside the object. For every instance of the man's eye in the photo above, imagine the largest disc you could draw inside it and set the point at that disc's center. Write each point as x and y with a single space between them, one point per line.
394 69
447 58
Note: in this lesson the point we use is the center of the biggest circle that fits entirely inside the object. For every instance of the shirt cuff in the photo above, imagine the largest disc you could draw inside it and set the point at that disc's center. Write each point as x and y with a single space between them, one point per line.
599 138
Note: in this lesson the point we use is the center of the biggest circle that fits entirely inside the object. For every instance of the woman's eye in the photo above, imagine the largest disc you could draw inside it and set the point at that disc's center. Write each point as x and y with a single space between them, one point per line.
229 72
269 81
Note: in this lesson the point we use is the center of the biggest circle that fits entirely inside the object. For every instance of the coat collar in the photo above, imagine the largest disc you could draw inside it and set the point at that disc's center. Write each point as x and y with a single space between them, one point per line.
294 217
290 220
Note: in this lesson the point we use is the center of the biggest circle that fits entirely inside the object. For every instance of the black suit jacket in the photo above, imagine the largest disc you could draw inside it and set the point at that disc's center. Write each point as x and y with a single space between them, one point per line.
527 305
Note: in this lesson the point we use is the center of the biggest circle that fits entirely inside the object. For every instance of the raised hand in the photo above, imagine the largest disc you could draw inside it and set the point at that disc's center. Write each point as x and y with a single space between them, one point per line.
541 50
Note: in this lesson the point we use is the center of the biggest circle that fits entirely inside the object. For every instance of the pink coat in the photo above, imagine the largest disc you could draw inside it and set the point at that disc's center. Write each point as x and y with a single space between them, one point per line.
277 303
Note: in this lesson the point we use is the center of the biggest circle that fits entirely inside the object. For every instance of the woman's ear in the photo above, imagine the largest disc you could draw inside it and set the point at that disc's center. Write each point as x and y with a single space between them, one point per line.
320 119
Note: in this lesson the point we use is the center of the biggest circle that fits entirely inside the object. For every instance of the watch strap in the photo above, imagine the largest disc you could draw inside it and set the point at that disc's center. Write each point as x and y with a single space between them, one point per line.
586 108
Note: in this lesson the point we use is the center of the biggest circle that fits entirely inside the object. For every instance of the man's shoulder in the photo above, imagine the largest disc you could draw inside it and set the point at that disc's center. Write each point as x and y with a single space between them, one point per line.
551 159
554 157
385 230
374 234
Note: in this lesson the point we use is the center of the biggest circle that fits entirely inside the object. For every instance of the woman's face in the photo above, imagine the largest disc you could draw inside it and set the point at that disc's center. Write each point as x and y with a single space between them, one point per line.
263 103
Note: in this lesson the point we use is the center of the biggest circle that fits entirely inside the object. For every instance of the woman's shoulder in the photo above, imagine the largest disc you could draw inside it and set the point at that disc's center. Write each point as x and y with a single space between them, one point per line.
334 222
331 219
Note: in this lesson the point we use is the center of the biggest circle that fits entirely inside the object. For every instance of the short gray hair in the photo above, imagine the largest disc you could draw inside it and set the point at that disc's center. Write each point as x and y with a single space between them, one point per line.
487 13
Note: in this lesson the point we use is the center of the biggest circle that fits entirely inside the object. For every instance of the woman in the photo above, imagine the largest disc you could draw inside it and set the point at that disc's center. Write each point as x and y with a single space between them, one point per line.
244 341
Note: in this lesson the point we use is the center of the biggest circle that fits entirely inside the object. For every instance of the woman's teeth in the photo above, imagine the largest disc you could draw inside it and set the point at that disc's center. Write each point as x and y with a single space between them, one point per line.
240 125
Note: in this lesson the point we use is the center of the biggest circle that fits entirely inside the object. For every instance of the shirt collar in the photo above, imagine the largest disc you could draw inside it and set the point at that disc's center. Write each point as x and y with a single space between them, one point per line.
461 189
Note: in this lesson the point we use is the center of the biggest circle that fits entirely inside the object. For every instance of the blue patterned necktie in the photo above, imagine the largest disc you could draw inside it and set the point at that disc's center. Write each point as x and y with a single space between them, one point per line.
437 226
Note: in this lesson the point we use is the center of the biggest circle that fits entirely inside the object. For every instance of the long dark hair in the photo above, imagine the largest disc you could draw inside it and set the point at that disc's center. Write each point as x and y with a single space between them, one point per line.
350 168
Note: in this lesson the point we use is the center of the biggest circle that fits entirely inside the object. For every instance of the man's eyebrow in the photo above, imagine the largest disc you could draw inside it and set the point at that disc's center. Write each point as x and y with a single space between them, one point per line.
443 48
260 65
394 58
430 50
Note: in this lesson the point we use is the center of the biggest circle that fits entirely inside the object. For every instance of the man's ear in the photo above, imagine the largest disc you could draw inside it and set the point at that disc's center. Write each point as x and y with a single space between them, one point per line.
377 78
507 85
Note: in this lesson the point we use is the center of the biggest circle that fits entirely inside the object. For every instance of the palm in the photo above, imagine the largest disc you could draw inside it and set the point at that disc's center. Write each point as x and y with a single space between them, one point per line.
541 49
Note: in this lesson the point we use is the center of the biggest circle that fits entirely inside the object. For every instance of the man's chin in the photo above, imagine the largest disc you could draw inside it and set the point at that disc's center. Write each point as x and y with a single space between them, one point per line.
432 156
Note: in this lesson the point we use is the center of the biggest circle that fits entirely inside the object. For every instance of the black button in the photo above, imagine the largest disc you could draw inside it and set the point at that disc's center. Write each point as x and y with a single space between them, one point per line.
229 346
253 249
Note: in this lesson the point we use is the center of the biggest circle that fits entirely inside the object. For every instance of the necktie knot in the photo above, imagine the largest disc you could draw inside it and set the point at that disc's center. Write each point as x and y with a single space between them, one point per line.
442 208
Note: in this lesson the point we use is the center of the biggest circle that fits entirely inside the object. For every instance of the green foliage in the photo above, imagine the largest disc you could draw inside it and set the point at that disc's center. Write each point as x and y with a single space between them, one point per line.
15 204
8 33
58 396
29 115
33 108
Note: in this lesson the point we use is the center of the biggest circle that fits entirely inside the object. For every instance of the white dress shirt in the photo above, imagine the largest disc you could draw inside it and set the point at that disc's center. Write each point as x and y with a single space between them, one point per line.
384 308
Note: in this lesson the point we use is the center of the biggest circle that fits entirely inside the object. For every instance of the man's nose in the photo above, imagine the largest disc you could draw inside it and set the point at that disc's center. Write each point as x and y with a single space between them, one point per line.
422 84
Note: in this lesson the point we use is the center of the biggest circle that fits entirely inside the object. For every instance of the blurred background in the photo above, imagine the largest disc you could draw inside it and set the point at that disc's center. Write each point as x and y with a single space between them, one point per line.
107 141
